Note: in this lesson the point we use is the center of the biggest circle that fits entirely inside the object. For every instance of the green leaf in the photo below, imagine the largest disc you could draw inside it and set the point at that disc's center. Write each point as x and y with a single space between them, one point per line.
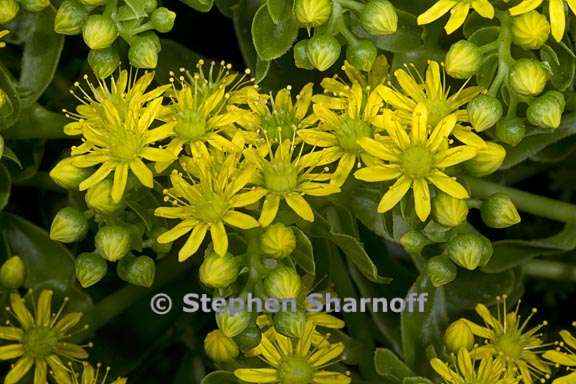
556 152
226 7
38 122
563 63
405 39
304 253
8 85
416 380
219 377
512 253
10 155
5 186
272 40
390 366
484 36
171 58
262 69
280 10
199 5
473 287
364 203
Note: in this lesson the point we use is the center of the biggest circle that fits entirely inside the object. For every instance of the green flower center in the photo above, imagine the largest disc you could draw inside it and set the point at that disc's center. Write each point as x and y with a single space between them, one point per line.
416 161
296 370
510 346
279 125
39 341
126 145
437 110
280 175
190 125
350 131
212 208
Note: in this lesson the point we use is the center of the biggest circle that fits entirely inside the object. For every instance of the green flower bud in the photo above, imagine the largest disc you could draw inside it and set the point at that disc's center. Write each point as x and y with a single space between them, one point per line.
466 250
67 175
250 338
414 241
323 51
149 5
137 270
449 211
487 161
362 54
3 98
499 211
440 270
379 17
90 268
99 32
13 273
143 52
160 249
70 18
530 30
99 198
104 61
458 336
283 283
463 60
34 5
301 55
113 242
487 251
163 19
8 10
233 324
69 226
313 13
93 3
218 271
220 347
1 146
290 324
546 111
528 77
484 112
511 131
278 241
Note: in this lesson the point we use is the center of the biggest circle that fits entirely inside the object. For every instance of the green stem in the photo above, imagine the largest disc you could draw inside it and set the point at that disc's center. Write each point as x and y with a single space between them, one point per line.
351 4
344 31
551 270
524 201
42 181
505 59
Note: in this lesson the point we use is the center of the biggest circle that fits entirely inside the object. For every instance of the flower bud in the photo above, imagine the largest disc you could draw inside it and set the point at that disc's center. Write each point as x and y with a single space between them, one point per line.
67 175
463 60
467 250
104 61
113 242
90 268
3 98
511 131
283 283
290 324
440 270
379 17
487 161
162 19
528 77
8 10
278 241
143 52
13 273
484 112
93 3
233 324
70 18
530 30
323 51
218 271
458 336
34 5
301 59
99 198
313 13
250 338
362 54
69 226
220 347
99 32
499 211
1 147
149 5
160 249
137 270
546 110
449 211
414 241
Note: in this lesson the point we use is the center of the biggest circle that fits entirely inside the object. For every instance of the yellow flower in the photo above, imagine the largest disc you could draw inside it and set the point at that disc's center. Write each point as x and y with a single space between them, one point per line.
431 91
467 370
415 160
508 339
207 200
118 132
564 355
40 340
292 360
284 174
2 34
556 13
93 376
458 12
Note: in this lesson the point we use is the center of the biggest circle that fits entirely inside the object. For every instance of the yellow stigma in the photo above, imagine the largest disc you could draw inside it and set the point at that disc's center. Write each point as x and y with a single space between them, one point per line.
416 161
280 175
350 131
295 370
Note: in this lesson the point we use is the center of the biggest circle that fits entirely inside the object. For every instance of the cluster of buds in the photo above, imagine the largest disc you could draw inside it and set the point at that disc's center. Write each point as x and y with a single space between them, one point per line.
137 23
9 9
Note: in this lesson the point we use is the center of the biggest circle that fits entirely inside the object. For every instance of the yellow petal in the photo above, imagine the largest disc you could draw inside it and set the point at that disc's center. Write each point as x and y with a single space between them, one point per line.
325 320
318 138
44 308
219 238
299 205
120 181
436 11
378 173
142 172
318 189
303 101
419 132
247 198
269 209
257 375
11 351
326 355
71 351
40 371
448 185
193 242
157 154
525 6
394 194
421 199
327 377
18 371
240 220
455 155
568 339
21 312
441 132
96 177
377 149
345 166
68 322
11 333
458 17
568 379
557 18
572 5
484 8
442 369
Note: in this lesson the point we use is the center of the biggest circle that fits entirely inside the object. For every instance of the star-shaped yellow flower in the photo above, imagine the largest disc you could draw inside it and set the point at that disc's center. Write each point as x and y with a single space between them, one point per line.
458 9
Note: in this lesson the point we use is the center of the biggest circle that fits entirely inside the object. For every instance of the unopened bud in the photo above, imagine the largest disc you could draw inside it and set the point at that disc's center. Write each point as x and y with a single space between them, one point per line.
313 13
458 335
162 19
530 30
13 273
90 268
362 54
104 61
463 60
3 99
34 5
149 5
414 241
69 226
488 160
8 10
290 323
467 250
440 270
499 211
220 347
301 59
249 338
233 324
511 131
160 248
137 270
67 175
99 198
70 18
379 17
484 112
278 241
528 77
448 210
113 242
283 283
546 111
323 51
93 3
218 271
99 32
143 52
